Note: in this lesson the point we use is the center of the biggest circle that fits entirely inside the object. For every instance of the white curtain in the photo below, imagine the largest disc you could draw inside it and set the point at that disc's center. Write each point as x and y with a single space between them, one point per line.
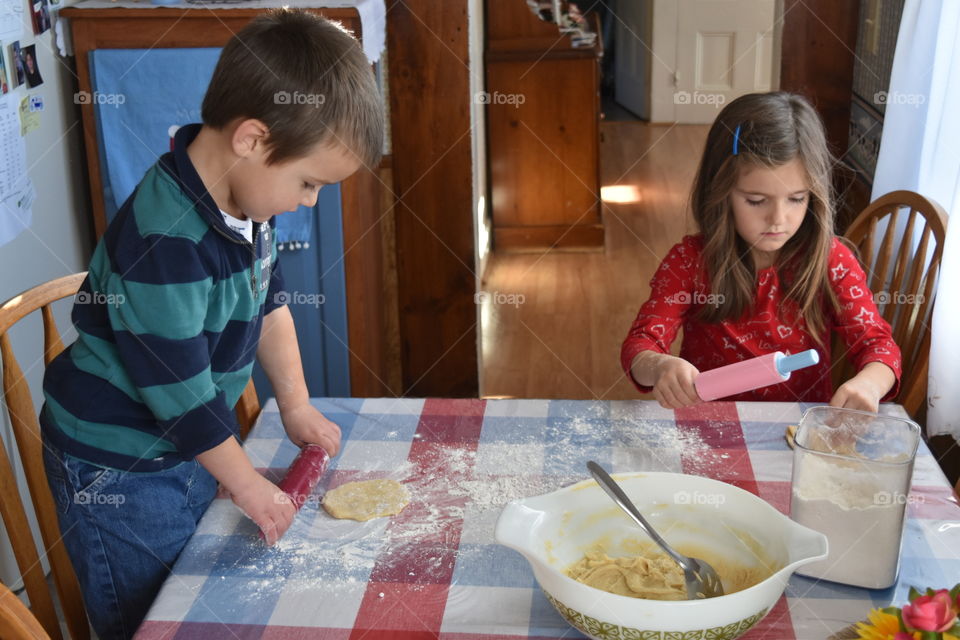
920 151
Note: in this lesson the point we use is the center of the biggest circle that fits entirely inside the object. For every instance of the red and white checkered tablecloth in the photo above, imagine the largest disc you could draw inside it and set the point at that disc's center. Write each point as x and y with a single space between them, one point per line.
434 571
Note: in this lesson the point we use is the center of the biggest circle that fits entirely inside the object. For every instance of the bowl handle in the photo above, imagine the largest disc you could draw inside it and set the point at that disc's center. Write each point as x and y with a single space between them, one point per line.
515 524
806 544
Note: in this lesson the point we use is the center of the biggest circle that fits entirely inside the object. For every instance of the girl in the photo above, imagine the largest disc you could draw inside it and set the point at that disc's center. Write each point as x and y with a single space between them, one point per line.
765 273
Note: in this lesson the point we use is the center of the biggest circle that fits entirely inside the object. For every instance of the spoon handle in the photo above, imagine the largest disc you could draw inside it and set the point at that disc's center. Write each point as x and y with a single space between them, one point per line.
614 491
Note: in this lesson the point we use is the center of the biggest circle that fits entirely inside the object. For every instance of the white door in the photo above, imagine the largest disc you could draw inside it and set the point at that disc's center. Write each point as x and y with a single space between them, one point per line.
631 52
723 49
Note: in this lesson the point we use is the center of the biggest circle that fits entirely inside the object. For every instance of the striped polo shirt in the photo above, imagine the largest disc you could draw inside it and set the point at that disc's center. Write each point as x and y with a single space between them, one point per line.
168 321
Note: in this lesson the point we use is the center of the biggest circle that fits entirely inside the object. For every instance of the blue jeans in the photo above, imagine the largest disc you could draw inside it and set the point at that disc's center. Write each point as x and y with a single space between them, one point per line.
123 531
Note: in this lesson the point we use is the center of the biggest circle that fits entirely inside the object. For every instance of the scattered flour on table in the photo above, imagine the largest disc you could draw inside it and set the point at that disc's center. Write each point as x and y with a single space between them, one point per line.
446 488
495 492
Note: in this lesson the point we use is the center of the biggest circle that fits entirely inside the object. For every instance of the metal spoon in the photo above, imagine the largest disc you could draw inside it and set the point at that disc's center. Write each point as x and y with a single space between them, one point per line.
701 579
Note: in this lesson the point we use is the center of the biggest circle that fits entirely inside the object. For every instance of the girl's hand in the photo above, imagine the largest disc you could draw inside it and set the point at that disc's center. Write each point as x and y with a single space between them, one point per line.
864 390
857 394
674 387
263 502
306 425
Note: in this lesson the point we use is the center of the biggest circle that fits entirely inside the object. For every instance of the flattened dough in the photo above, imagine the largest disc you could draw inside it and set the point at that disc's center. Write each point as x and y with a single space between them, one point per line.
367 499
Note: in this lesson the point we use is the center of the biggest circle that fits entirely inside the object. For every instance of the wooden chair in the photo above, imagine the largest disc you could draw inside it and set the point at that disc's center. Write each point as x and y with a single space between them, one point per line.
16 621
248 409
26 429
903 282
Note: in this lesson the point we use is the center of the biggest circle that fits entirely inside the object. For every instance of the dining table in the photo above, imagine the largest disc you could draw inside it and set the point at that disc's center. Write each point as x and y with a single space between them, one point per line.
435 570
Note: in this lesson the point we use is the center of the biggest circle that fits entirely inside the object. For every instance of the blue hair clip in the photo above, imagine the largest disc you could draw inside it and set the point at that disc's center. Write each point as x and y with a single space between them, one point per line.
736 141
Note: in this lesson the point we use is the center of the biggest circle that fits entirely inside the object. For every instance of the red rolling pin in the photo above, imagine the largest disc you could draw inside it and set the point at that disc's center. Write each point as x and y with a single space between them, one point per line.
304 474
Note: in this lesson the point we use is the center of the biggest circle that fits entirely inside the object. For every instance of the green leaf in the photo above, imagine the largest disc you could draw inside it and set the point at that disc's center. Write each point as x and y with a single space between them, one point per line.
899 614
914 594
955 592
930 635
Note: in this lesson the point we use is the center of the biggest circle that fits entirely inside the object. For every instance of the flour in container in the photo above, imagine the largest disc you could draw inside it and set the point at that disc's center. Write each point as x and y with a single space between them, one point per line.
860 509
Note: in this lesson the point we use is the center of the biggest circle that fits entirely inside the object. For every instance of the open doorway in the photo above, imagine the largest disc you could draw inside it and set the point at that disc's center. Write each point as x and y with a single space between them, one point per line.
678 61
553 321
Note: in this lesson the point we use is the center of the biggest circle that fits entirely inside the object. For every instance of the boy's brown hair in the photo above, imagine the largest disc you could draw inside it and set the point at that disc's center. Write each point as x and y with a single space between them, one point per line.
303 76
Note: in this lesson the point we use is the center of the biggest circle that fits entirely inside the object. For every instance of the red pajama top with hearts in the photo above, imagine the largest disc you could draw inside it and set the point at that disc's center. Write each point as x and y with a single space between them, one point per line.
678 290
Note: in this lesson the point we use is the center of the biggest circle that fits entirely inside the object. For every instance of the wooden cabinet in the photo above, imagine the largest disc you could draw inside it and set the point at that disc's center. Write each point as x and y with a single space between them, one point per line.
543 115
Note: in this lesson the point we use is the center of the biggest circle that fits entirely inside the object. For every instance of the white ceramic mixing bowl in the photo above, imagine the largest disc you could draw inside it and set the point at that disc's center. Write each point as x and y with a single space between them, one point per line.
724 524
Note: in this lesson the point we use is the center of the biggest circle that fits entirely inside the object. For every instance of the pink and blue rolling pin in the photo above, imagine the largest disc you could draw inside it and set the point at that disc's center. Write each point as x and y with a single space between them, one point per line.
751 374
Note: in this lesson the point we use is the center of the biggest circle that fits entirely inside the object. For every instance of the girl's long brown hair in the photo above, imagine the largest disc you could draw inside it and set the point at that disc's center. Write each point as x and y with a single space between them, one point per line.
775 128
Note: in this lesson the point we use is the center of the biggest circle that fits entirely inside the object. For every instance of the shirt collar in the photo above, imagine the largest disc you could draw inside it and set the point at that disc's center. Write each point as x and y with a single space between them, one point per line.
193 186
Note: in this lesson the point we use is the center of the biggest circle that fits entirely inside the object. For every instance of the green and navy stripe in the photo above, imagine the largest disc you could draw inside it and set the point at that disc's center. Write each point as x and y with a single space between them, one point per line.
168 323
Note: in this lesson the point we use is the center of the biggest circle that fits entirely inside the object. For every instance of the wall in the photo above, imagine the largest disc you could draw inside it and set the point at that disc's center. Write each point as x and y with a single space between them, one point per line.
58 241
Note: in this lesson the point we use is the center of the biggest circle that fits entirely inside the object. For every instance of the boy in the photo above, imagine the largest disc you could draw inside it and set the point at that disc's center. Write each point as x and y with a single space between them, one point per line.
183 290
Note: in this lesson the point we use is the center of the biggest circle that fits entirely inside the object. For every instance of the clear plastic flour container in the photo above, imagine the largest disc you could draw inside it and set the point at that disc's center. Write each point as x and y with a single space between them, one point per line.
851 482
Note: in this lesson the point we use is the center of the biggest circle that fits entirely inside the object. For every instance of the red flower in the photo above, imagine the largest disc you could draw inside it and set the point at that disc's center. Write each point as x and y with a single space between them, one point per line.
902 635
930 613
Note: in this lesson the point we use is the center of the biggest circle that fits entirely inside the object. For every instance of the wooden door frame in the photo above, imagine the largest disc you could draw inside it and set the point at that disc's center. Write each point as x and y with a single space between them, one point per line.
817 57
428 60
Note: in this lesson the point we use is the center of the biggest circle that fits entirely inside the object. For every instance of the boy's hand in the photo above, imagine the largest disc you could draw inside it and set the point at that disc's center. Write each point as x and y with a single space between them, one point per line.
864 390
674 386
263 502
260 500
306 425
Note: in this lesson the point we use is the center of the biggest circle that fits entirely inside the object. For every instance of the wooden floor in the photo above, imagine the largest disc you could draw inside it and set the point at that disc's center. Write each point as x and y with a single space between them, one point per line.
553 322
